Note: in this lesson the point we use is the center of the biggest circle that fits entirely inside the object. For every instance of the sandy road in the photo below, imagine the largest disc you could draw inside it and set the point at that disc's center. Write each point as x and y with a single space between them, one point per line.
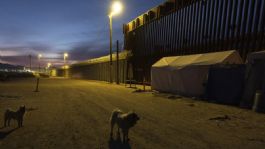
73 114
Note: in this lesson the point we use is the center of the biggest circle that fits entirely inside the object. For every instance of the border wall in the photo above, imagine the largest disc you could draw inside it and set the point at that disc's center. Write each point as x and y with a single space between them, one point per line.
97 69
181 27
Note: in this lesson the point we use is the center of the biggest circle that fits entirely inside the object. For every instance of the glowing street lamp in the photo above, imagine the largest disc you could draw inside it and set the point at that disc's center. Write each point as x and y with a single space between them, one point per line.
65 55
39 56
116 8
49 65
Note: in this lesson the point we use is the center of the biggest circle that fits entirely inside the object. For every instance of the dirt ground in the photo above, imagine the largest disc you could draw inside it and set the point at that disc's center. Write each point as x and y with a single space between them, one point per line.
74 114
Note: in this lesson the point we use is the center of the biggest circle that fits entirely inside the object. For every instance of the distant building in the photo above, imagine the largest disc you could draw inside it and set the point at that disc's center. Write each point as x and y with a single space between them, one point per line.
9 68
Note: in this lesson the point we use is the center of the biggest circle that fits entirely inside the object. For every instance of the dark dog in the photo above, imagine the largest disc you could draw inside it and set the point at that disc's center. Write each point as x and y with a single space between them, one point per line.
124 122
18 116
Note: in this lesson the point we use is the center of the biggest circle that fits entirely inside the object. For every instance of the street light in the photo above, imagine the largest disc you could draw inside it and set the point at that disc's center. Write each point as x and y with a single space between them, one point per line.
116 8
65 56
49 65
39 57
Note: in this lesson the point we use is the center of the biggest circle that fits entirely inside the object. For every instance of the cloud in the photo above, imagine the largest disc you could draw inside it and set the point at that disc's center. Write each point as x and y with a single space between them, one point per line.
92 44
81 40
19 54
87 50
50 28
32 48
24 60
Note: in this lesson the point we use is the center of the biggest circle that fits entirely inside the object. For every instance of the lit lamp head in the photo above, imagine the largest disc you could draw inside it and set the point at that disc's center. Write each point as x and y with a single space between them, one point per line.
65 55
116 8
39 56
49 65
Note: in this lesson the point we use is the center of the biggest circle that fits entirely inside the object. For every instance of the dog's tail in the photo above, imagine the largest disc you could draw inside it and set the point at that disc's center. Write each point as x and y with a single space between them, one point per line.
113 119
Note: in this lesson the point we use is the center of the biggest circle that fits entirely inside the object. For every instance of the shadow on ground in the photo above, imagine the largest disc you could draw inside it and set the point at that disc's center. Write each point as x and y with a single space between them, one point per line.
31 109
9 97
118 144
4 134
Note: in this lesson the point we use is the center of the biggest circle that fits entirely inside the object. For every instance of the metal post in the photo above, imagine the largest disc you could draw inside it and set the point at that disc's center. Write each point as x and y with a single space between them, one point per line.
117 61
29 62
39 57
39 65
144 83
64 67
37 85
110 48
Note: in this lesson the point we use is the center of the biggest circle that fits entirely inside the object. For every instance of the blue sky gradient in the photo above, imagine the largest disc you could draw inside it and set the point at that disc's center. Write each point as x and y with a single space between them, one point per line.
52 27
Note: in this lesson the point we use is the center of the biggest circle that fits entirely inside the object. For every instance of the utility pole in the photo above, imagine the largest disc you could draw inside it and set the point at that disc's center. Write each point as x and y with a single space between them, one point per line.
30 62
39 57
110 48
116 8
117 66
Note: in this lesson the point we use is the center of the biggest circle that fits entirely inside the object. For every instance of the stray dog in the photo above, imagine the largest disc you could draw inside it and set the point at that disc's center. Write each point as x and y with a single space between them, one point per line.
124 122
18 116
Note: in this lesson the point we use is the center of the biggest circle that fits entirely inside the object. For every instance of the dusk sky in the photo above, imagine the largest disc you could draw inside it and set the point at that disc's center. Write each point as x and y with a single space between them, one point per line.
52 27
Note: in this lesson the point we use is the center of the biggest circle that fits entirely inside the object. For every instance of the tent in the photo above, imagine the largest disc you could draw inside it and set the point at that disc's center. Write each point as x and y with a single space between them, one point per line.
255 79
225 84
187 75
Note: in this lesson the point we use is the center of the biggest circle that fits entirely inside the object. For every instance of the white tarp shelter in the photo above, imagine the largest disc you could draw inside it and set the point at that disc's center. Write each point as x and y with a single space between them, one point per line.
186 74
255 79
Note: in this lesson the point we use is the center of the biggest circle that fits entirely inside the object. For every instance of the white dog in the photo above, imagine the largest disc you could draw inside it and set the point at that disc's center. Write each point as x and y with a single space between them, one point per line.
124 122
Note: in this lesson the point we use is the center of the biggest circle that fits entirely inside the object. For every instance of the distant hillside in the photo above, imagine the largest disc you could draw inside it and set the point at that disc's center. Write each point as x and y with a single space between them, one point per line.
8 66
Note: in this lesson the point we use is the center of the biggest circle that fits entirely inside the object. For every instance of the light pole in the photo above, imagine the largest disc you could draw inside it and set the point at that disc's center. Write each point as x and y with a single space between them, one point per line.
65 56
48 67
116 8
39 57
30 62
